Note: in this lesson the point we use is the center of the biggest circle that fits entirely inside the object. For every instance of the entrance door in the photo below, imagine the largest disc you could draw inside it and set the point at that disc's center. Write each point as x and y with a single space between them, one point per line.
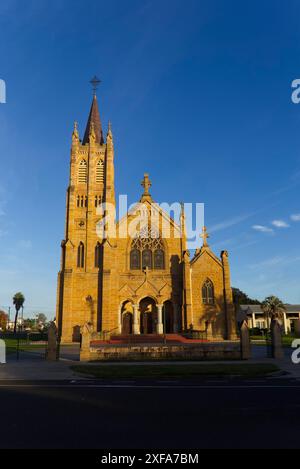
147 323
148 316
127 323
168 317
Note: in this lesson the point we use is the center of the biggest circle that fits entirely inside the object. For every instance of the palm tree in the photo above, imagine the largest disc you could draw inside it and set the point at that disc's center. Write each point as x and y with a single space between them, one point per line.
273 308
18 301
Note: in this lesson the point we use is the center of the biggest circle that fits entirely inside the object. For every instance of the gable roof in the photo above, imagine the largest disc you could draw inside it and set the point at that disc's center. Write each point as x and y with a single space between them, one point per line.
156 207
208 251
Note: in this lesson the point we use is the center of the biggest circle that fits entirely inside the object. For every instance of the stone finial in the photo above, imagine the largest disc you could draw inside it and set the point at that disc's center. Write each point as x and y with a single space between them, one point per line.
75 134
52 346
204 236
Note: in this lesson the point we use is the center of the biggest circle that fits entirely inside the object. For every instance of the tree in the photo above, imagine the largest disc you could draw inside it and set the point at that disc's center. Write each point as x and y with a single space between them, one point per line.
241 298
41 320
3 320
18 301
29 323
273 308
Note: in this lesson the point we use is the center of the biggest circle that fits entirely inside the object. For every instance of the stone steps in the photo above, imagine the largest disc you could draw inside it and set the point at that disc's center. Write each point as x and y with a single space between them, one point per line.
170 339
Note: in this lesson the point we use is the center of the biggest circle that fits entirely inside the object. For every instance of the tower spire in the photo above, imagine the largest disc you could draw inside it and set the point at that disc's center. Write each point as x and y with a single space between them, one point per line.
94 117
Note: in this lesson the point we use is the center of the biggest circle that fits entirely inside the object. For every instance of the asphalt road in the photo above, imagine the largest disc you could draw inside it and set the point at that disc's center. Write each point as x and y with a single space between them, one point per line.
211 413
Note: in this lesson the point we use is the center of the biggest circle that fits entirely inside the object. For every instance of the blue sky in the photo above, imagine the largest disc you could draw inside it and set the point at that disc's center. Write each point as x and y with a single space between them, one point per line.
199 95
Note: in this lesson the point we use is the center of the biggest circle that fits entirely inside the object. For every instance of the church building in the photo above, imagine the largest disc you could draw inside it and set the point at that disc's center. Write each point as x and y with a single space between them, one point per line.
142 284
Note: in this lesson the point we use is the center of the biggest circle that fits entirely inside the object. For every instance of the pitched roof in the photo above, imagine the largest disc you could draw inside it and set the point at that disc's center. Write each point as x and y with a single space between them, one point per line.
94 118
258 308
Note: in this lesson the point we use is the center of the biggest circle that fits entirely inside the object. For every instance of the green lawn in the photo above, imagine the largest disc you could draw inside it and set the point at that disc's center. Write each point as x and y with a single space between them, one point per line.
286 340
174 371
11 346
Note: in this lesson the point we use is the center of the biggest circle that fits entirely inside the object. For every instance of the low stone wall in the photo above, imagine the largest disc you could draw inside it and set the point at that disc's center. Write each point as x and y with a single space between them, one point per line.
206 351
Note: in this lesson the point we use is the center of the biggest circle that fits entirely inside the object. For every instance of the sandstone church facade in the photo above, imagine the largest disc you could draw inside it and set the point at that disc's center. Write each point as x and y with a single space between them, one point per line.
146 284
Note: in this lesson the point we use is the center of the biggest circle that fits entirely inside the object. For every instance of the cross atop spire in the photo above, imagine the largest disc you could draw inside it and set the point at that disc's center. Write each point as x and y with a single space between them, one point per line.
146 184
204 236
95 82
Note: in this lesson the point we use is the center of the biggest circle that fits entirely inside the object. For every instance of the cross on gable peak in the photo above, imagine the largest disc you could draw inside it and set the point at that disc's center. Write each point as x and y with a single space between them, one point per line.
146 184
204 236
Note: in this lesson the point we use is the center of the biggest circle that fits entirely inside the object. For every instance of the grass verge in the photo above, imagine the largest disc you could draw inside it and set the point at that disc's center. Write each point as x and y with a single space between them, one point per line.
175 371
286 340
12 344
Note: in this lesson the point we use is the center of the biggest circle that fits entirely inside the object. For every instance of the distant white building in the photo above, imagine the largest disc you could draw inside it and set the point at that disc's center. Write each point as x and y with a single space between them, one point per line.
11 324
256 317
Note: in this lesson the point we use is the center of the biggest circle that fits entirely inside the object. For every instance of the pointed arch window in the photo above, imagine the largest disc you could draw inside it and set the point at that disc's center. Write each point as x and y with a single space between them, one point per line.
159 259
147 259
80 255
208 292
100 172
147 250
135 259
98 255
82 172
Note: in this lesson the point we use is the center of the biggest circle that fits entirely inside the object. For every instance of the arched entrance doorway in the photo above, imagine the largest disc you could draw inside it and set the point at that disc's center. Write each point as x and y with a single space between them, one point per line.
127 317
168 317
148 316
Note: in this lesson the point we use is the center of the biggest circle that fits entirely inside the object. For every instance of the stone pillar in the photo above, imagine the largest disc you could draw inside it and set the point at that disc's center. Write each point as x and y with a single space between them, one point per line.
285 323
277 350
297 328
245 341
86 336
120 320
187 319
136 322
52 346
176 312
160 326
253 320
230 313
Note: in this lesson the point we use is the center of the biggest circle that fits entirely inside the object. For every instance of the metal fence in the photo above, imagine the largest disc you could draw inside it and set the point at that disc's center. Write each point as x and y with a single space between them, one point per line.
25 345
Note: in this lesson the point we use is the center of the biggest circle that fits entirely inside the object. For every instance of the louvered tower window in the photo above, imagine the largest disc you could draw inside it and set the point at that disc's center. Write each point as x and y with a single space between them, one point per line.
100 172
82 172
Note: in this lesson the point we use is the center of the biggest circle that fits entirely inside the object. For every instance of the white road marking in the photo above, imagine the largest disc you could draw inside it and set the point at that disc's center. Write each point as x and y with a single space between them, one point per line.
143 386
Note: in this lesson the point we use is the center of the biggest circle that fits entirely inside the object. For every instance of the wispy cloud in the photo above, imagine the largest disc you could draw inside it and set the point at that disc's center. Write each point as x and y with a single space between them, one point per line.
295 217
275 261
262 229
280 224
228 223
25 244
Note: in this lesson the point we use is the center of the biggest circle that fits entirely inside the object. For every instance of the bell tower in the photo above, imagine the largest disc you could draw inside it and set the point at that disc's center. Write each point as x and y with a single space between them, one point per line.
91 182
